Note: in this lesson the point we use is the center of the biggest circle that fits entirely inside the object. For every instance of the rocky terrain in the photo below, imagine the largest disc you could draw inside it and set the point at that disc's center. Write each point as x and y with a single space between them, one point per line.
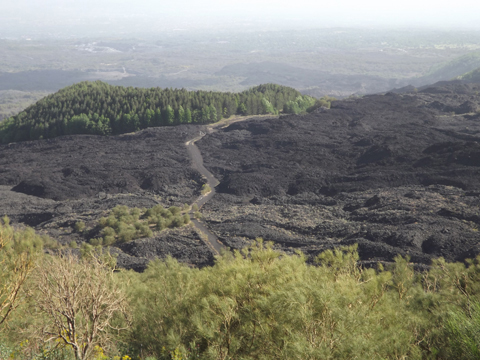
395 173
82 166
52 184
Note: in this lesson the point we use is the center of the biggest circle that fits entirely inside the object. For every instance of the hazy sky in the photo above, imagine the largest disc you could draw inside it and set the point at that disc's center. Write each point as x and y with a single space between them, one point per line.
55 15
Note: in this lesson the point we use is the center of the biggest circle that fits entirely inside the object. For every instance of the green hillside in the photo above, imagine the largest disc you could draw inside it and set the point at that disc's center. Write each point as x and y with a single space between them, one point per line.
103 109
473 76
454 68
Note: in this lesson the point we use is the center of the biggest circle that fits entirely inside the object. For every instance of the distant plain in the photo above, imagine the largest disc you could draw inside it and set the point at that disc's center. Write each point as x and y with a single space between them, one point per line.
338 62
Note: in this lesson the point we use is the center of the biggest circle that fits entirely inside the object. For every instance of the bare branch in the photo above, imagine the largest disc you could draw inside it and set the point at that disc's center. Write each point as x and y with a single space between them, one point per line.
79 300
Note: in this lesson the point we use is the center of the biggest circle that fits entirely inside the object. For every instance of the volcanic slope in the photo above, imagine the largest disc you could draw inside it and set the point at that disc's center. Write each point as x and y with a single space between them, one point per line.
53 184
81 166
397 174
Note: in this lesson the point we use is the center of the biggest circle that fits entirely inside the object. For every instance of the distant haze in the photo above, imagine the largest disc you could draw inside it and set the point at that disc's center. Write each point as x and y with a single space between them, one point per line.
63 18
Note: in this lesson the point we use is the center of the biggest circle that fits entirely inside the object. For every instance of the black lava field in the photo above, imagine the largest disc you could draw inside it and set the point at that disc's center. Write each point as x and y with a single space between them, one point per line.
397 173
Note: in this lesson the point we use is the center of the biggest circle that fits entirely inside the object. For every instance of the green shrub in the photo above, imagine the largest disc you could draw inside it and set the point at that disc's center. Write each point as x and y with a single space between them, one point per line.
463 329
153 219
161 224
126 232
49 243
206 189
154 211
175 210
177 222
108 231
19 252
108 240
144 231
259 303
103 222
120 211
124 224
79 226
135 212
25 352
112 221
158 210
96 241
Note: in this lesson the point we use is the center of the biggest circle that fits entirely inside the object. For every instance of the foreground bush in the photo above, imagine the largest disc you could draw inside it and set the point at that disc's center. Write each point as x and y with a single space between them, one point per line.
259 304
18 253
463 329
252 304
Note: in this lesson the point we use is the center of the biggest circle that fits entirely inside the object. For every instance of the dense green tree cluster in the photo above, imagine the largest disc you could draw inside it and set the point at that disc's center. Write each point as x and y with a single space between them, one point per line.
125 224
100 108
304 104
257 303
325 102
298 105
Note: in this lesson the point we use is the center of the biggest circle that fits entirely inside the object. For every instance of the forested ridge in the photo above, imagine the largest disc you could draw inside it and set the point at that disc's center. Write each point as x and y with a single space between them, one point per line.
103 109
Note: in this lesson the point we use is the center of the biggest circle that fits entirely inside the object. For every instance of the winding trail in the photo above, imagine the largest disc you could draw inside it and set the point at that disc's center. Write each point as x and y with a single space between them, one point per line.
197 161
209 237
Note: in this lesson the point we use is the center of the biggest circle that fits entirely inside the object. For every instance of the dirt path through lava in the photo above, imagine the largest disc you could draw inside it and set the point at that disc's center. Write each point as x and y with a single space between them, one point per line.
197 161
209 237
